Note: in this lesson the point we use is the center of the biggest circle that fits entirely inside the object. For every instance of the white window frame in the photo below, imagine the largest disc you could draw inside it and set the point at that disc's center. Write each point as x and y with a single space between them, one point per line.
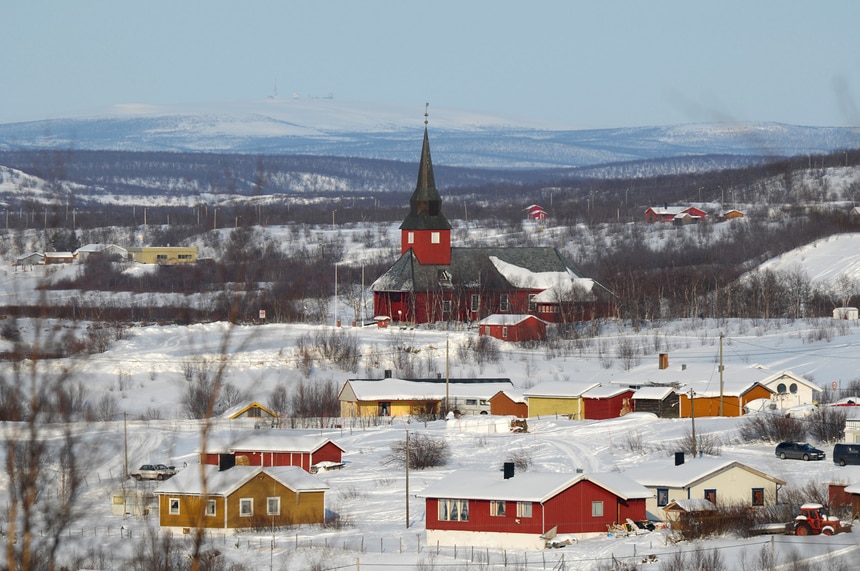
453 510
475 302
504 303
435 238
597 508
243 502
524 509
410 237
173 506
504 331
211 508
497 508
277 501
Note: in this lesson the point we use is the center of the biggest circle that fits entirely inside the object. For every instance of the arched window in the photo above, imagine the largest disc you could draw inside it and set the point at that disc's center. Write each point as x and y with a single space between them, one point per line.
793 388
780 388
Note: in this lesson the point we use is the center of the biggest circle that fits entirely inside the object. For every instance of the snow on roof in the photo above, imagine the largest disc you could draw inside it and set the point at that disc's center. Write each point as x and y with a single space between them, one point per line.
604 392
666 210
701 376
652 393
569 289
515 396
527 279
526 487
266 441
402 389
558 389
693 505
223 483
507 319
689 473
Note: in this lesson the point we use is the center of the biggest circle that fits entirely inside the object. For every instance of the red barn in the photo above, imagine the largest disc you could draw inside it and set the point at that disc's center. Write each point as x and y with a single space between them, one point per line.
535 212
605 402
272 448
432 281
489 509
513 327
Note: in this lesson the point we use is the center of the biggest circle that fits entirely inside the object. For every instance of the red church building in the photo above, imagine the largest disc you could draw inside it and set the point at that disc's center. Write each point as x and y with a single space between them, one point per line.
433 281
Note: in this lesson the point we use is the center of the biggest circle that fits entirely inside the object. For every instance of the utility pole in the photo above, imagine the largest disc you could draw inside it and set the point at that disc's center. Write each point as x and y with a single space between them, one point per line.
721 374
407 479
447 379
693 420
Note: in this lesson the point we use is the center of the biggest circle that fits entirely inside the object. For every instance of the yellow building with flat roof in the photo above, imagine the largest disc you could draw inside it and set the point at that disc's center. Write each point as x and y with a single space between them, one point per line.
163 255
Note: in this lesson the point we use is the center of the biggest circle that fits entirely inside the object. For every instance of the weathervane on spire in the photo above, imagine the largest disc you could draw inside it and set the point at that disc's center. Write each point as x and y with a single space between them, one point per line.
426 106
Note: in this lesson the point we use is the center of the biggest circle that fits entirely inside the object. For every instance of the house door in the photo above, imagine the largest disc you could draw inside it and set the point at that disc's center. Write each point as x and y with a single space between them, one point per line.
711 496
384 409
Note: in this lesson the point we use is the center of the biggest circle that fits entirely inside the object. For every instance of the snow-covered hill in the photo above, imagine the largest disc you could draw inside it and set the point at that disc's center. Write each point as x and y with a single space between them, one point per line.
387 131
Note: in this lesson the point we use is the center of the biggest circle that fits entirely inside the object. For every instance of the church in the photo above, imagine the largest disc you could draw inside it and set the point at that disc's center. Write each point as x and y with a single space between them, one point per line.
432 281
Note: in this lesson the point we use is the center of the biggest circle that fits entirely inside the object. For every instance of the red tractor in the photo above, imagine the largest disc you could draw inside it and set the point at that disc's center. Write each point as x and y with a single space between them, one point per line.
813 520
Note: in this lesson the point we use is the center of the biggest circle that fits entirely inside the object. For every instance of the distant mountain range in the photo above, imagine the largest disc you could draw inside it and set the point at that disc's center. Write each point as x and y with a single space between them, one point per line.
328 127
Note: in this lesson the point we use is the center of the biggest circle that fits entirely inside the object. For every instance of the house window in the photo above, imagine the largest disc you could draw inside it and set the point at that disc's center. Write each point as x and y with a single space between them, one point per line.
446 306
184 256
758 496
793 388
246 507
531 302
435 238
504 303
780 388
211 506
662 497
273 506
410 237
711 496
161 257
173 506
476 302
596 509
504 331
453 510
524 509
497 508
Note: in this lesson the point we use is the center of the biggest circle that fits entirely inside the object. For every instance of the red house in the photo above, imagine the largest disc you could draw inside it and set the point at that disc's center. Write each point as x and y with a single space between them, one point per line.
489 509
515 327
432 281
605 402
272 448
535 212
670 213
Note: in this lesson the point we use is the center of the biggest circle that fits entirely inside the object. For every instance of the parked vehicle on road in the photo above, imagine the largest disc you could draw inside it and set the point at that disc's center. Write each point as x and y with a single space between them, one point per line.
153 472
846 454
799 451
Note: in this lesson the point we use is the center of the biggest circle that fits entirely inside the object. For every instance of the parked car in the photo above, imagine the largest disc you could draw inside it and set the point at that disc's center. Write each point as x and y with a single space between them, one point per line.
799 451
153 472
846 454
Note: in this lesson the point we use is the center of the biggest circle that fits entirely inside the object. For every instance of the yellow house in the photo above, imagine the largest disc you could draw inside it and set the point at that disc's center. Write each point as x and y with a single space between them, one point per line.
411 397
557 399
722 482
163 255
241 497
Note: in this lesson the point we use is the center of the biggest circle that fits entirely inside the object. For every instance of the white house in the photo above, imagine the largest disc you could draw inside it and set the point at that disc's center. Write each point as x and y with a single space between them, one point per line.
720 481
791 390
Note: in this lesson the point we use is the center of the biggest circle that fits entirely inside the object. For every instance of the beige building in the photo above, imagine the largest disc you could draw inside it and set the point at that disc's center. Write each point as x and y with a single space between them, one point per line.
163 255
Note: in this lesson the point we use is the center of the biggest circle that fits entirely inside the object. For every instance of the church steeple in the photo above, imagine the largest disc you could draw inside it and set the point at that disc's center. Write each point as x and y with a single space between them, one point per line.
426 230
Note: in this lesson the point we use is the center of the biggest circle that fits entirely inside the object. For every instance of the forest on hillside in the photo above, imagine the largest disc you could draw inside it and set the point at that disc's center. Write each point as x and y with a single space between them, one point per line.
656 271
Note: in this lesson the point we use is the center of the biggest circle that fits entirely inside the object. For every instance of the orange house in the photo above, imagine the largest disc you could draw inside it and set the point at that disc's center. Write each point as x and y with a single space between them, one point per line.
505 403
734 400
241 497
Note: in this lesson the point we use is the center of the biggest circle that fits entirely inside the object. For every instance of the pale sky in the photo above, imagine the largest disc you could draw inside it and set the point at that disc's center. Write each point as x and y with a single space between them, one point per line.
588 64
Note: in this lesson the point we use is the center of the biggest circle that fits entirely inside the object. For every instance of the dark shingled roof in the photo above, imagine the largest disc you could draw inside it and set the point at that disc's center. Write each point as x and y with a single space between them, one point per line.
425 204
471 268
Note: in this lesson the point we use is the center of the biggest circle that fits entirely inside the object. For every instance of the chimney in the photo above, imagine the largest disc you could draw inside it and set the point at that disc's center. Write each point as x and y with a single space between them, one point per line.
509 470
387 373
664 360
679 458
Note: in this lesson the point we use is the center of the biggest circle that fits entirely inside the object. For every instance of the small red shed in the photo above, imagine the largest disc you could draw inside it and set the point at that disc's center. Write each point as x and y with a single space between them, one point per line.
272 448
506 403
492 509
605 402
513 327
